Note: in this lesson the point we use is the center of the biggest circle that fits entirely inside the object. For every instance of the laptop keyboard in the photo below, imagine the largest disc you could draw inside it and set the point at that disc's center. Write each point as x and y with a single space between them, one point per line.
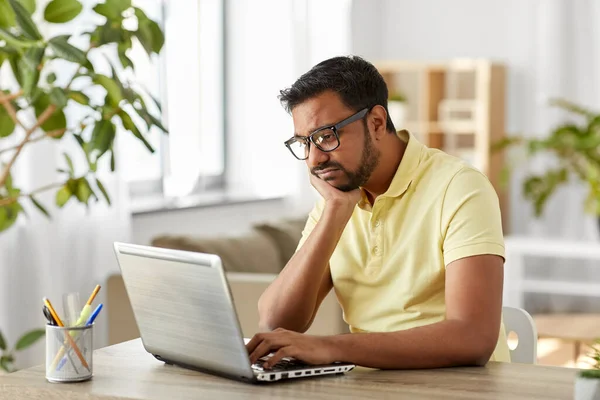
283 365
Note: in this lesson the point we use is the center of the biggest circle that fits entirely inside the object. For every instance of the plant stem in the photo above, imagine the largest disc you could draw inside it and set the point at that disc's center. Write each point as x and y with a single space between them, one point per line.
10 97
11 200
50 134
5 100
43 118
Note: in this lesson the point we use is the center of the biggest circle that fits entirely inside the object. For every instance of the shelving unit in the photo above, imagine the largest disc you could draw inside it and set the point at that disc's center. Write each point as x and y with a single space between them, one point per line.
457 106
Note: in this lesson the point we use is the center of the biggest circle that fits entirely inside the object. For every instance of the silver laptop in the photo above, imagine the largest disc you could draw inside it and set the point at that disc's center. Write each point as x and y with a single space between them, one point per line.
185 314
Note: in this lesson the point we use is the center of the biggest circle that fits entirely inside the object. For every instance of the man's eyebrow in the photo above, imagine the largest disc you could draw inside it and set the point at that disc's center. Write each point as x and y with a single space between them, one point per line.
297 135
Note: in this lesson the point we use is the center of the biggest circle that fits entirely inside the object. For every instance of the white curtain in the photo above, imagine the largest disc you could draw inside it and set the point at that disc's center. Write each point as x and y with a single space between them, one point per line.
72 252
270 44
567 66
314 20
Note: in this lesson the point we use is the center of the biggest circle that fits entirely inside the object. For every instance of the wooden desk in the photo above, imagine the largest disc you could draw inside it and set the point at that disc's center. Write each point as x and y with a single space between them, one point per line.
127 371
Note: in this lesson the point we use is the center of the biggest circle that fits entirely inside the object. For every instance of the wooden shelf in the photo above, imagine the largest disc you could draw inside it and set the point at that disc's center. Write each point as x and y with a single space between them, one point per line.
456 106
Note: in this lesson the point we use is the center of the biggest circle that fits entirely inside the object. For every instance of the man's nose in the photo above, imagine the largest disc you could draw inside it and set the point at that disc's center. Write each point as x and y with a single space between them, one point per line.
316 156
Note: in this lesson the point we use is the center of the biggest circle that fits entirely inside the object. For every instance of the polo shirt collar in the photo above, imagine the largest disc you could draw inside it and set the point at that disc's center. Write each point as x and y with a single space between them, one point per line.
405 172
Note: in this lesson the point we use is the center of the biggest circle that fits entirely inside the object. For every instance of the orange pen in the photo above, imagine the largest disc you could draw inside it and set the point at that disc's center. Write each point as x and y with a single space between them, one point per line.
69 338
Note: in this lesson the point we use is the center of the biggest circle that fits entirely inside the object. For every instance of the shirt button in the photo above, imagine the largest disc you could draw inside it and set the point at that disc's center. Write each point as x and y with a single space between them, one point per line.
376 250
377 223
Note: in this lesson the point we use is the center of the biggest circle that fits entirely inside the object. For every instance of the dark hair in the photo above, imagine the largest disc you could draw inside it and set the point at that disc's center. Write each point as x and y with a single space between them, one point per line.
356 81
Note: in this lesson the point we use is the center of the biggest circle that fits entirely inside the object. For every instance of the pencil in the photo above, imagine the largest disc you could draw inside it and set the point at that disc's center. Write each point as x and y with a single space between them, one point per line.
93 296
69 338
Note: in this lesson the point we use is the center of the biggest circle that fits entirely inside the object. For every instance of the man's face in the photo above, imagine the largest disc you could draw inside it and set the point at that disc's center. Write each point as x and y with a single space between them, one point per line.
351 164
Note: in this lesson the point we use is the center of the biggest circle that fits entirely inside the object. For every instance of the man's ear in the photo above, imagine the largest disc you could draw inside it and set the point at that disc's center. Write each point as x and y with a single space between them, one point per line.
378 121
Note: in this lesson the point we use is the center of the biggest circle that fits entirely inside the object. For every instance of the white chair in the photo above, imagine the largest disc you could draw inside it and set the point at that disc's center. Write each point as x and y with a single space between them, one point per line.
520 322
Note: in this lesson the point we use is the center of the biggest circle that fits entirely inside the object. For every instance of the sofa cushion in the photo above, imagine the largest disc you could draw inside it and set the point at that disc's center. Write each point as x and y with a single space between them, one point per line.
254 252
285 233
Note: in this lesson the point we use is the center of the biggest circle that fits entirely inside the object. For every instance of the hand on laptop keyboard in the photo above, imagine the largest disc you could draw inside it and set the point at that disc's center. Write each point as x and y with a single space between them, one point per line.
285 363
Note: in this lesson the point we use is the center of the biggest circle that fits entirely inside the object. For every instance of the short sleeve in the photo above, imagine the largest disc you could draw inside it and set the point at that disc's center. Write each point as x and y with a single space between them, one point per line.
471 222
311 222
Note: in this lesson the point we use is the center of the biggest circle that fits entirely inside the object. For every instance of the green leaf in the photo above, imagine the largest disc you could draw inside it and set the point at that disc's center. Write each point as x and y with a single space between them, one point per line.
112 161
106 11
84 191
103 191
2 342
39 206
120 5
29 69
113 90
58 97
69 163
107 33
56 121
18 42
8 184
7 15
151 120
144 35
29 5
80 141
589 373
149 33
6 363
158 38
9 215
131 127
572 107
79 97
103 137
7 125
154 99
61 11
29 338
81 188
539 188
24 21
63 196
112 9
64 50
122 51
51 78
14 65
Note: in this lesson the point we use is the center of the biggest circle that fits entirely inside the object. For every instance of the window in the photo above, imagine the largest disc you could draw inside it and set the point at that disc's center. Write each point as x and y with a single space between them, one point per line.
188 77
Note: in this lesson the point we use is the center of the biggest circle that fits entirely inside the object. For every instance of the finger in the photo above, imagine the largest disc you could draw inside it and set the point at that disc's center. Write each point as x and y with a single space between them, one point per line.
268 345
255 341
320 185
286 351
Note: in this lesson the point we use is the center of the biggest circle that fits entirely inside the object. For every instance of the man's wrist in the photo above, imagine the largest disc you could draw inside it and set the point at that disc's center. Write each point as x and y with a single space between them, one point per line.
339 209
335 346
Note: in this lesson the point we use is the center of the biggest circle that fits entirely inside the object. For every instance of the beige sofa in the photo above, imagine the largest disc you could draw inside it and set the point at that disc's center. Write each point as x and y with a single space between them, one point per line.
251 262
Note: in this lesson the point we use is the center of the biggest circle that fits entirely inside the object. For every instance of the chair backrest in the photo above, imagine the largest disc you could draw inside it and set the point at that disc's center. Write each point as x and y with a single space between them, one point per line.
520 322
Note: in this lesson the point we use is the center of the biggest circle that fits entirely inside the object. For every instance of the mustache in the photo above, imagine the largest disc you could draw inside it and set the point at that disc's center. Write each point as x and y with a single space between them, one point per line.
328 165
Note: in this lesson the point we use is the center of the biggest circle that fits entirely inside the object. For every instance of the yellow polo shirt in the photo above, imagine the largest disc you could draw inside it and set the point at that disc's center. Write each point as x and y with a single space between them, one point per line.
389 266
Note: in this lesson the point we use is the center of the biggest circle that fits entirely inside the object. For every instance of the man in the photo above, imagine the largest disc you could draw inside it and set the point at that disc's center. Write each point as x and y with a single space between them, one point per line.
409 237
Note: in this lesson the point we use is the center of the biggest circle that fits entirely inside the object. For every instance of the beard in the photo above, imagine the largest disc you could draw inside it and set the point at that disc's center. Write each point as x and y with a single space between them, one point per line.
355 179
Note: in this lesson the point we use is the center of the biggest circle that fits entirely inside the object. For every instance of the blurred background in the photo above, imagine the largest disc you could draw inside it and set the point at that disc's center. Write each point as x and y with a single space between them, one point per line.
511 86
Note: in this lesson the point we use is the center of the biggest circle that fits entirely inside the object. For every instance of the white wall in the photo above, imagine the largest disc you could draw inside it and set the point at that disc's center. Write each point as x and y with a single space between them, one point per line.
503 30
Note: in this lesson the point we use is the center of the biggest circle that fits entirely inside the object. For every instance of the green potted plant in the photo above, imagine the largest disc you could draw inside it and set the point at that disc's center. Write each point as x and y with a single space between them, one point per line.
587 382
7 357
576 147
397 109
42 93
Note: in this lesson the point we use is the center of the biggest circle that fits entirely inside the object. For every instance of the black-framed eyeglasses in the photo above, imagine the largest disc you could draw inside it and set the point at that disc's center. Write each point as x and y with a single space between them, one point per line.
325 138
